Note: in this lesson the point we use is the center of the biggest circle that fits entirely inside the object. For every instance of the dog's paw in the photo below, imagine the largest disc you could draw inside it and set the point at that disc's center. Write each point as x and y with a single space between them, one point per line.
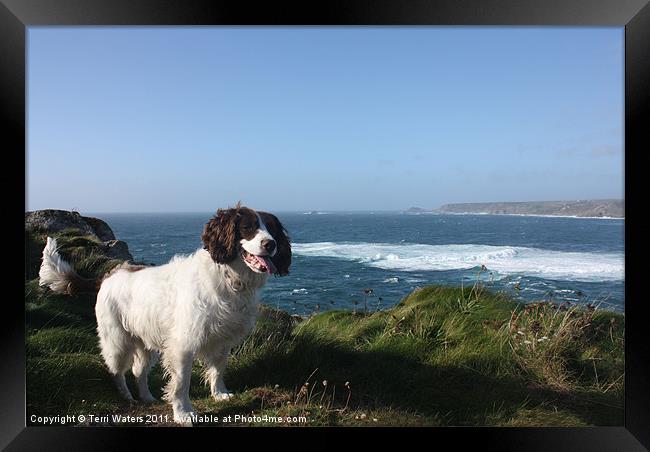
183 418
223 396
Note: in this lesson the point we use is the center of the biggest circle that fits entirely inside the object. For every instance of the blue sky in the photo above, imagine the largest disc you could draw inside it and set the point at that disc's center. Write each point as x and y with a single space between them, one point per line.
174 119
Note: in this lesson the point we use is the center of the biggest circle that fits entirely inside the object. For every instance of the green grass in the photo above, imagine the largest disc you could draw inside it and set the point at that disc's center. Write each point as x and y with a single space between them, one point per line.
442 356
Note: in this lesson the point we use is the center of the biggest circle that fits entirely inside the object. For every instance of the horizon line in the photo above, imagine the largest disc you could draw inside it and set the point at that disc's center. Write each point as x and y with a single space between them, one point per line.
328 210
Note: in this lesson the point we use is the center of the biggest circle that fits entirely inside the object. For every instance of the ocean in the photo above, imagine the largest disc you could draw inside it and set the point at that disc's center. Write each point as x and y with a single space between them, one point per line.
337 256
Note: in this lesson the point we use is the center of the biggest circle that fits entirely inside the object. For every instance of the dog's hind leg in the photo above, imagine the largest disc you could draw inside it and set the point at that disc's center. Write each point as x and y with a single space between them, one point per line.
122 388
116 344
118 362
143 361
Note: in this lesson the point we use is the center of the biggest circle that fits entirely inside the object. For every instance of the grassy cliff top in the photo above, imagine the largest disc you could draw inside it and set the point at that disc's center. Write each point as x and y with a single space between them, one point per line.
442 356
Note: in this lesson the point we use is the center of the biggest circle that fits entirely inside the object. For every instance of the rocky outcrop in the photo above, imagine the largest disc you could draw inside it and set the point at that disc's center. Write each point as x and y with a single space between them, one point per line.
51 220
117 249
101 228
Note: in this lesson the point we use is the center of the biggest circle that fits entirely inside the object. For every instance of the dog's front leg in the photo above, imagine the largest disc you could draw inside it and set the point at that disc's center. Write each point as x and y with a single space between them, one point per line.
215 366
179 366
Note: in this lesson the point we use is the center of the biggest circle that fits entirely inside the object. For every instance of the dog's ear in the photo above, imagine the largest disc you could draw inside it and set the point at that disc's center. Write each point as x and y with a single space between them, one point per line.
220 235
282 258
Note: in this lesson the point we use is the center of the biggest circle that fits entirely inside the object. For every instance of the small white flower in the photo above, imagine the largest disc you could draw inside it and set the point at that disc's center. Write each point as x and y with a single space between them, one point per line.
527 342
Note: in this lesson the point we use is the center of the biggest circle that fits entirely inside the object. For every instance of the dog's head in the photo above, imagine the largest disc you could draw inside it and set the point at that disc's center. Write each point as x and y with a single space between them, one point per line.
257 238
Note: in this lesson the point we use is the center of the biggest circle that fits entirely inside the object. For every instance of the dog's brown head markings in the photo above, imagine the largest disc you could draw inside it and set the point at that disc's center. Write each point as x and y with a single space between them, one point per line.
282 258
223 233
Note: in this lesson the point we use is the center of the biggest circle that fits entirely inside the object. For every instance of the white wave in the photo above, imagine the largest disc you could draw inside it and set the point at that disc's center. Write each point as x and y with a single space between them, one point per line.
502 260
394 280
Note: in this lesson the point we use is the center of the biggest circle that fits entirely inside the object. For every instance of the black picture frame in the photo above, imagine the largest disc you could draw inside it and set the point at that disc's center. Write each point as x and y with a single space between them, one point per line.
634 15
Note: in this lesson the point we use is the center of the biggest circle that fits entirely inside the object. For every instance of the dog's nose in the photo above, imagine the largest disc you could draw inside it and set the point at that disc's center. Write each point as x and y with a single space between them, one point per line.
269 245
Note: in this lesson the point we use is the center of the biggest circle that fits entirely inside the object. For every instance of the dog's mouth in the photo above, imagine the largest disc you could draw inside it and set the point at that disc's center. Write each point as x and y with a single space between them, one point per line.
259 264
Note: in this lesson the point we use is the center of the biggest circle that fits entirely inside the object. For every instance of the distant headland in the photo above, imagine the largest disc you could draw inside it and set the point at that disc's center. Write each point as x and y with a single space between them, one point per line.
595 208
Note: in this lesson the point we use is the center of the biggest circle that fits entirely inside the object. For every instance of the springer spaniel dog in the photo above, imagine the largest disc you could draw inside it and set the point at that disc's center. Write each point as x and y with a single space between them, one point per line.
197 306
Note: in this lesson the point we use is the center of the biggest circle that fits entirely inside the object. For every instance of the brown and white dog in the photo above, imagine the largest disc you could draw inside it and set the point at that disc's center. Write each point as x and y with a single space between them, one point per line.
194 307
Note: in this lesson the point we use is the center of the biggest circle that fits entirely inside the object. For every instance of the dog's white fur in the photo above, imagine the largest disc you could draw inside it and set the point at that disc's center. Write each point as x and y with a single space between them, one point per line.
186 309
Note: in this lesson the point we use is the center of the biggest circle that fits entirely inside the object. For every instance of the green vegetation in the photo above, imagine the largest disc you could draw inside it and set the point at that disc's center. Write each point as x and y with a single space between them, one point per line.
442 356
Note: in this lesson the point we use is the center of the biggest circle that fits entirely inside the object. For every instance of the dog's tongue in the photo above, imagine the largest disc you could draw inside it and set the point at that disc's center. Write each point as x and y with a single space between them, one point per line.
266 261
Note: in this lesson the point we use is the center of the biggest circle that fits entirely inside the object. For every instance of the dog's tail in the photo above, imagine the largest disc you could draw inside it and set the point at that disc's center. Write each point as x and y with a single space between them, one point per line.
59 275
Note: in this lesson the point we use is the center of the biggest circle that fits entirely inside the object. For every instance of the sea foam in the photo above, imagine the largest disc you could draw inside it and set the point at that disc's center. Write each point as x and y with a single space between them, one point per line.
502 260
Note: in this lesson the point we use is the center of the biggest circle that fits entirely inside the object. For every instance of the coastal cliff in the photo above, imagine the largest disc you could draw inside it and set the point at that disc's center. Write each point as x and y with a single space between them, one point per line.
83 239
604 208
468 356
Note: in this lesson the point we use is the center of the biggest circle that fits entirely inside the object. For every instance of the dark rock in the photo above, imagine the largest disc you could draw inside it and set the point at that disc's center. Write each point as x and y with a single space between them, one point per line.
51 220
101 228
116 249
